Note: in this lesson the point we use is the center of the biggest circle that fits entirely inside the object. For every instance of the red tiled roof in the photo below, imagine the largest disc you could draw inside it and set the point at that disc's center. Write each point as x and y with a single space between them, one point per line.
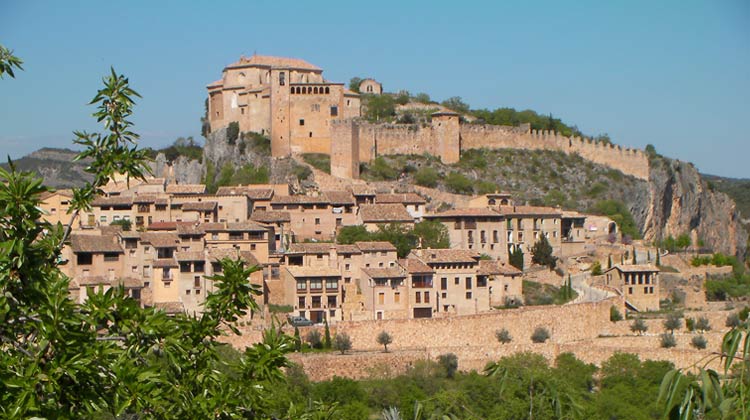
401 198
273 62
94 244
384 213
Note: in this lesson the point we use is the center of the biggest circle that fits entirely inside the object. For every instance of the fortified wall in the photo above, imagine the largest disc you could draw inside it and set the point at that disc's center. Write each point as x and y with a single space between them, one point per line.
446 138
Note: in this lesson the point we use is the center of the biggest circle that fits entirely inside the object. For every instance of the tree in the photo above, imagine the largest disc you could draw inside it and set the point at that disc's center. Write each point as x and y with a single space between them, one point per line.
733 320
8 61
699 342
596 268
354 83
342 343
458 183
614 314
658 257
384 339
702 324
108 357
449 363
673 322
639 326
432 234
541 253
515 258
379 107
540 335
683 241
314 339
635 258
422 98
126 224
351 234
327 337
457 104
667 340
503 336
609 261
233 132
297 339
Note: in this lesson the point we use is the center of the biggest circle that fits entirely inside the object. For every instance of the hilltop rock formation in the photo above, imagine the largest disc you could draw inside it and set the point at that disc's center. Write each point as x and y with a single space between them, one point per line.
681 202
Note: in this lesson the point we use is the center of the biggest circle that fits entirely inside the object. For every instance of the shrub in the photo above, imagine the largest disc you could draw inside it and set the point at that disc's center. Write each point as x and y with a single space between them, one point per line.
342 343
733 321
486 187
458 183
614 314
126 224
384 339
515 258
449 363
327 337
540 335
699 342
639 326
274 308
301 172
596 269
380 170
702 324
233 132
673 322
541 253
319 161
427 177
690 324
503 336
313 338
668 341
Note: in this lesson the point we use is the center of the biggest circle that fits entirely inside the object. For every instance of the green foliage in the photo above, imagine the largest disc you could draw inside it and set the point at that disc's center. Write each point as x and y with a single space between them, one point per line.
384 339
126 224
402 98
458 183
672 322
379 107
247 174
639 326
327 336
280 309
297 339
300 172
541 253
540 335
690 324
699 342
351 234
380 170
718 259
186 147
615 314
210 178
233 132
733 320
515 258
8 61
449 363
314 339
342 342
427 177
320 161
457 104
719 289
354 83
509 116
683 241
422 98
503 336
486 187
596 269
619 213
431 234
702 324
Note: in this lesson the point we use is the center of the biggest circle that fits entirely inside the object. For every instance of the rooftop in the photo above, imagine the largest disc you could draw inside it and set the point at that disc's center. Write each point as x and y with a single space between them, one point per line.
271 216
94 244
415 266
529 211
374 213
185 189
273 62
300 271
384 273
635 268
401 198
370 246
446 255
465 212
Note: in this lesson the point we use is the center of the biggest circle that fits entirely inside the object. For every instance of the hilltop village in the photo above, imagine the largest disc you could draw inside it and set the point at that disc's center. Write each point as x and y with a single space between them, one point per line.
163 240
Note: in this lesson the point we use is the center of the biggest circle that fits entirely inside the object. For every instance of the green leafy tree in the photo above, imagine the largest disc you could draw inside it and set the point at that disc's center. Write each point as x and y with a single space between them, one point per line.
297 339
381 170
449 363
108 357
620 214
515 258
540 335
683 241
354 83
8 61
422 98
672 322
458 183
327 336
384 339
733 321
351 234
379 107
456 104
702 324
342 343
596 269
126 224
233 132
427 177
432 234
541 253
614 314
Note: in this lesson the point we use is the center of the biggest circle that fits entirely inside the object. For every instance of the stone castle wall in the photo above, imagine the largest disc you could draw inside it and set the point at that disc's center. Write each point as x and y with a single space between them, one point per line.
435 139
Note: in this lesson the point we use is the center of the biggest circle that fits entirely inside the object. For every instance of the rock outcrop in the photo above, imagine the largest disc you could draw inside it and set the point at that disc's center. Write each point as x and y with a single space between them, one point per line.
681 202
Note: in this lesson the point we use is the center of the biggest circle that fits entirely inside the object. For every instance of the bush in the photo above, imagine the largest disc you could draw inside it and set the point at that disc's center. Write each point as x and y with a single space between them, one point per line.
486 187
620 214
733 321
639 326
301 172
314 339
274 308
702 324
319 161
596 269
427 177
458 183
541 253
342 343
699 342
673 322
690 324
380 170
449 363
384 339
233 132
540 335
614 314
503 336
668 341
126 224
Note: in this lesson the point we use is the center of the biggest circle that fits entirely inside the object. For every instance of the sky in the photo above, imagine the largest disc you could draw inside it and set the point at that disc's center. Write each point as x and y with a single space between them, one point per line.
675 74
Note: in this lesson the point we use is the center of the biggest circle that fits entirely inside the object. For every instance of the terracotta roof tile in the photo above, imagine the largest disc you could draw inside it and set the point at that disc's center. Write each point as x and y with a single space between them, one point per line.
370 246
190 256
274 62
384 213
382 273
415 266
170 307
271 216
362 190
199 206
94 244
246 226
191 229
340 197
185 189
112 201
492 267
635 268
164 263
299 199
529 211
310 248
446 255
465 212
348 249
402 198
219 254
255 194
161 239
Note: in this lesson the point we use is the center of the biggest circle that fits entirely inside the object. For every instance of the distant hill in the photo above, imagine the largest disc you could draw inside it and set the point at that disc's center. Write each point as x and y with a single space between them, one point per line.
56 166
738 189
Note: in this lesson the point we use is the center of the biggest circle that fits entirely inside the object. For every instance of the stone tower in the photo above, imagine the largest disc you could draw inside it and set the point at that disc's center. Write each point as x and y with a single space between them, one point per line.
280 113
345 148
446 136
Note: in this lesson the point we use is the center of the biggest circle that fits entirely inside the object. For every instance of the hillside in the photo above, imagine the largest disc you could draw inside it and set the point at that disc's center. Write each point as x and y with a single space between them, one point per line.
56 166
738 189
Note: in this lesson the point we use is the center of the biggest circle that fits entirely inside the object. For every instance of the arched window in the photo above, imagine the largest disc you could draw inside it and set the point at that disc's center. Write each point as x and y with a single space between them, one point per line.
315 90
328 90
309 89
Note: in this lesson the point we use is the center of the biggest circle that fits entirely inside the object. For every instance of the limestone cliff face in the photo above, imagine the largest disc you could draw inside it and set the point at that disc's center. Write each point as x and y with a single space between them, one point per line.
182 170
682 202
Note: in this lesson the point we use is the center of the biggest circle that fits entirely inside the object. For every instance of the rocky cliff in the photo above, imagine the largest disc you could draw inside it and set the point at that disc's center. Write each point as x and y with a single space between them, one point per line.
681 201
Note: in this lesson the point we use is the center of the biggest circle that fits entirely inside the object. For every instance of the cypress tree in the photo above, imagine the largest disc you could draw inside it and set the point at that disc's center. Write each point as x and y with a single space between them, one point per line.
327 337
635 259
297 339
658 257
609 262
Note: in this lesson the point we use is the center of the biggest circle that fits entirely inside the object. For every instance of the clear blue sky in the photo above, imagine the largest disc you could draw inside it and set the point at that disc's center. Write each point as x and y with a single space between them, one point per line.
675 74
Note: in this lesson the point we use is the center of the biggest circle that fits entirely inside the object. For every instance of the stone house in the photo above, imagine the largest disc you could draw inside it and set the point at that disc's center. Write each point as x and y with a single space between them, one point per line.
639 284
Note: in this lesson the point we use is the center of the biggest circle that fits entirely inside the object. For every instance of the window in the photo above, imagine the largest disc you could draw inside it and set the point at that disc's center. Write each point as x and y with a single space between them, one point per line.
184 267
282 78
468 283
456 280
331 301
301 302
315 302
319 256
316 284
645 290
199 266
301 285
111 257
481 281
418 297
334 111
103 219
495 236
468 295
444 283
167 284
134 269
301 122
317 220
630 290
426 297
397 297
187 292
84 259
381 298
332 284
